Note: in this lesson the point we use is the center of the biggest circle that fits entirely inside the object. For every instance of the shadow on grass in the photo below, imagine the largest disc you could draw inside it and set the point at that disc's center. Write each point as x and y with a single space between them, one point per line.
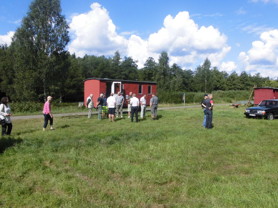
7 142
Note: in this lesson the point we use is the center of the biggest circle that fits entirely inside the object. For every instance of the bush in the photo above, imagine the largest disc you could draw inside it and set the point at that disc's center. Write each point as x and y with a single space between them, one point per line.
197 97
26 107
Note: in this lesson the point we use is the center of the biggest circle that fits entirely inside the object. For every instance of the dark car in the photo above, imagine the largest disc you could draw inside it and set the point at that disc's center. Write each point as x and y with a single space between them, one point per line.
266 109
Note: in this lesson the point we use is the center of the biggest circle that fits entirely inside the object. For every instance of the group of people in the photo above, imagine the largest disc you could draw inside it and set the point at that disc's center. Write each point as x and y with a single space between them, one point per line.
115 109
115 105
207 105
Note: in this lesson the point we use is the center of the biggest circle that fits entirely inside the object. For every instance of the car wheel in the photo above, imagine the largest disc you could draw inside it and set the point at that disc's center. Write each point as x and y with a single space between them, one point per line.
270 116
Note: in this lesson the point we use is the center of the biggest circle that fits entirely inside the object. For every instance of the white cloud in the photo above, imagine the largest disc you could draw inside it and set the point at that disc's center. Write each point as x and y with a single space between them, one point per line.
265 1
263 56
186 43
94 33
229 66
6 39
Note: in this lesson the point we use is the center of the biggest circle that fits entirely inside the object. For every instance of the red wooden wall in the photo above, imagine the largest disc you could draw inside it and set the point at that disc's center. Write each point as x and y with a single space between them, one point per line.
263 94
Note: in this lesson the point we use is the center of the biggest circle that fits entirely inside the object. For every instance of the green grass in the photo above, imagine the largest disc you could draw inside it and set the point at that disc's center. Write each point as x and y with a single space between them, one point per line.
171 162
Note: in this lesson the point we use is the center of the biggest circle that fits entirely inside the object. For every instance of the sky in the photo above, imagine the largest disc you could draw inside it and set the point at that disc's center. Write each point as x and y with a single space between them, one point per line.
235 35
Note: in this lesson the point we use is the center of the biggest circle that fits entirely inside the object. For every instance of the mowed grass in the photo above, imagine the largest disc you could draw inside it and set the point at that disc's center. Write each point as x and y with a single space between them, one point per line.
170 162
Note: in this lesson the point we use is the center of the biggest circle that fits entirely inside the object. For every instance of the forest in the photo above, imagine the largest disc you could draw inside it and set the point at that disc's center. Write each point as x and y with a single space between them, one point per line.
37 64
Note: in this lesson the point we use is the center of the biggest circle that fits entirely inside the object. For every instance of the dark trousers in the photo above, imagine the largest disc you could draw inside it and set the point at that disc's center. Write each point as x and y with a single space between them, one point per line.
208 119
134 110
47 118
7 128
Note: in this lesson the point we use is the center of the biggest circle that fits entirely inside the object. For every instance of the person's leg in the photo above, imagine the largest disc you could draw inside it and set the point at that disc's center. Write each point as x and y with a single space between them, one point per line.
45 121
132 113
208 119
121 110
4 127
204 121
117 110
51 122
136 113
99 113
90 113
155 112
10 127
142 112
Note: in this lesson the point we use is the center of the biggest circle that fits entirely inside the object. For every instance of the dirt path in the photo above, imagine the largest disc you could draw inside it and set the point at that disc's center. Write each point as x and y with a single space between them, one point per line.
94 113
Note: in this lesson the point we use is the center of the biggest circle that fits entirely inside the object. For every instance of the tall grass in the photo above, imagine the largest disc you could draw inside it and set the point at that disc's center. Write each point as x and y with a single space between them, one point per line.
170 162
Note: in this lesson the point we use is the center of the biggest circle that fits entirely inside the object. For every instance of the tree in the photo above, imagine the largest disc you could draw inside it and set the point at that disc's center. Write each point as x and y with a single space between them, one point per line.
42 35
163 71
148 73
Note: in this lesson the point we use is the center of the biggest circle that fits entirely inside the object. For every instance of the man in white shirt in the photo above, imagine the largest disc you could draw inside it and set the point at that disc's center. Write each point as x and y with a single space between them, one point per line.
134 103
143 106
90 105
111 104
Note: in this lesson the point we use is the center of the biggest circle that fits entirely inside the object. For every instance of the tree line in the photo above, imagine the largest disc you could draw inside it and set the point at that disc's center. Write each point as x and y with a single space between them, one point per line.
37 64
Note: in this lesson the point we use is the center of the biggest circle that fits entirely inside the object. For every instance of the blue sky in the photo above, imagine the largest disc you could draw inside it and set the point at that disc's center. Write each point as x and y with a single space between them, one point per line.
238 35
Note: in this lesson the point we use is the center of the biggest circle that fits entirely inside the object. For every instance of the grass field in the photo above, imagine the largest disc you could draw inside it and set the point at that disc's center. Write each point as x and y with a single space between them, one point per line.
170 162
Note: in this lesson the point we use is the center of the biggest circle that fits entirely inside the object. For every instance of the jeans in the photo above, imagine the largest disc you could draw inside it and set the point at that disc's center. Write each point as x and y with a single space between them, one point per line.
205 118
134 110
99 112
143 111
47 118
119 110
208 119
154 111
90 112
7 128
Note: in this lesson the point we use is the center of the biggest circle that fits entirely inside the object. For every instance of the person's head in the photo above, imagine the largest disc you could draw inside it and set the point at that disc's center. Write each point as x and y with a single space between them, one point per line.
101 95
111 94
210 96
153 94
49 98
5 100
133 95
119 93
205 96
91 95
130 93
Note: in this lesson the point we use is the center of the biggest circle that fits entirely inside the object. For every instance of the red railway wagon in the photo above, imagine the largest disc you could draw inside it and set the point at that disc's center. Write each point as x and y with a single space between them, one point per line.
264 93
96 86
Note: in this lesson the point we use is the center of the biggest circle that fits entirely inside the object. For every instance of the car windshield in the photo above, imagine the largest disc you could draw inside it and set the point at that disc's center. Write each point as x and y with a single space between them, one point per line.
268 103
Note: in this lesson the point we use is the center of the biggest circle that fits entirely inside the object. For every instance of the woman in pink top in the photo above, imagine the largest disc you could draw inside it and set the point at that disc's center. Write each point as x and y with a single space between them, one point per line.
47 113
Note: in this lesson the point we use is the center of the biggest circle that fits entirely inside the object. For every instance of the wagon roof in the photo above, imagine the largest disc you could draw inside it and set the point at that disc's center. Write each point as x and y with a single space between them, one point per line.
120 80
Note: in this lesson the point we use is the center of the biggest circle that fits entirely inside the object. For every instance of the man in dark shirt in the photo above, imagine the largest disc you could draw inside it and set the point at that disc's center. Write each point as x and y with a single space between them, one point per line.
209 106
100 103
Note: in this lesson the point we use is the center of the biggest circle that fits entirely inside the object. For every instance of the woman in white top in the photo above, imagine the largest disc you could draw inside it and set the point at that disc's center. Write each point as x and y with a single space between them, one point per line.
5 116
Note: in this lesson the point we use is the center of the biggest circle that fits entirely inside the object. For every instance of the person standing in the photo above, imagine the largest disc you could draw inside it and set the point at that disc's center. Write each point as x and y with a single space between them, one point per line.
90 105
134 103
100 103
203 105
48 116
154 105
111 104
128 104
119 104
209 107
143 103
5 116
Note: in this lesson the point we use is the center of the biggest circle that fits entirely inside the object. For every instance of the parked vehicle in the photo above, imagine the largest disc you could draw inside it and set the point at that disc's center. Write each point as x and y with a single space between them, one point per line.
267 109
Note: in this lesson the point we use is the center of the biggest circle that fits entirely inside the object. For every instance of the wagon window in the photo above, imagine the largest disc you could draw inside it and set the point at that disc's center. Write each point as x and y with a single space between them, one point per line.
140 89
149 89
